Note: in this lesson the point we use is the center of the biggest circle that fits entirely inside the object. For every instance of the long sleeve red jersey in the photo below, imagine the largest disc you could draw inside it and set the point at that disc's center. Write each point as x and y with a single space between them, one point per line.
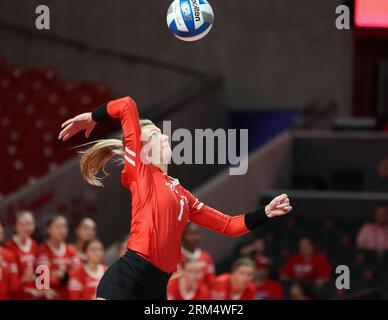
161 207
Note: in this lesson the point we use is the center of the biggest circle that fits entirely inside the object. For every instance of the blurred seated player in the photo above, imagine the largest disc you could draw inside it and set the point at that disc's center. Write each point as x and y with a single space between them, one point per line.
307 265
84 281
190 250
116 250
237 285
25 250
254 249
299 291
374 236
266 289
58 256
85 231
188 284
9 276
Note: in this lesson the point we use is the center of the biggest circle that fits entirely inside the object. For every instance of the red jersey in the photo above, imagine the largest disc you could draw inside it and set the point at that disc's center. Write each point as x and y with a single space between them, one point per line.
161 207
62 259
26 255
269 290
176 291
208 264
83 282
298 267
222 289
9 275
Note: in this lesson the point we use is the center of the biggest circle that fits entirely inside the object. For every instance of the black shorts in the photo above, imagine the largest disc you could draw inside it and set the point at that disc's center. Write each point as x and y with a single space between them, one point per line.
133 278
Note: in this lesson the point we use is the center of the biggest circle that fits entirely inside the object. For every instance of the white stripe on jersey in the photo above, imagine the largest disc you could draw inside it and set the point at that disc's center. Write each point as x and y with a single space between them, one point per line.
130 161
133 154
200 206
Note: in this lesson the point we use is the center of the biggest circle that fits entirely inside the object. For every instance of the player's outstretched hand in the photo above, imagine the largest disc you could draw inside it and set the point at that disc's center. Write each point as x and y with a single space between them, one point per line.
74 125
279 206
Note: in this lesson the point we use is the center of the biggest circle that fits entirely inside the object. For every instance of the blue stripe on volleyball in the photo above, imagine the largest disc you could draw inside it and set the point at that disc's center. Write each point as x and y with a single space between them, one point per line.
173 27
189 21
189 34
203 2
201 29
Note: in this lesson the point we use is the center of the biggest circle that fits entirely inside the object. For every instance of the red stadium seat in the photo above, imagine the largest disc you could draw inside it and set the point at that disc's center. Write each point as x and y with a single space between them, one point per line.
33 105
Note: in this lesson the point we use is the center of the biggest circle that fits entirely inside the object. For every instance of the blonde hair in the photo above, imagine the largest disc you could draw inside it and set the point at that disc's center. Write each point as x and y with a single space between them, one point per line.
99 154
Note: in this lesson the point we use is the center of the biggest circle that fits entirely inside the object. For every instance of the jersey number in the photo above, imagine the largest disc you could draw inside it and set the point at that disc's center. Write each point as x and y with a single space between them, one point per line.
182 203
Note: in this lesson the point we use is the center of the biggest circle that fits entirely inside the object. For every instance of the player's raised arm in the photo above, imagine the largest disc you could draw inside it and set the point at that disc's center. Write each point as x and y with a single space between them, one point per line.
235 226
124 109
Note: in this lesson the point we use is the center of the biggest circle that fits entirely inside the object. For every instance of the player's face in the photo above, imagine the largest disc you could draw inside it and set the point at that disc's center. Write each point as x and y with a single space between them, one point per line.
95 252
86 230
58 230
306 248
25 225
193 272
157 147
243 275
192 238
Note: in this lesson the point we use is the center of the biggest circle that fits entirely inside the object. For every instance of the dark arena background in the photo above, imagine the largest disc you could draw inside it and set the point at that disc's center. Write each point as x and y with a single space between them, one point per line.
308 79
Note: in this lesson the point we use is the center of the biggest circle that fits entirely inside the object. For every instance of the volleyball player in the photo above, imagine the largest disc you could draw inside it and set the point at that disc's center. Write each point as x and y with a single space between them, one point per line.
237 285
161 207
9 274
84 280
59 256
189 284
25 250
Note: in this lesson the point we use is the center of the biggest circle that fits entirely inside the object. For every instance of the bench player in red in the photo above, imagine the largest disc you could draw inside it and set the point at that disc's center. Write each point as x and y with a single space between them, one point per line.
9 275
59 256
25 250
84 280
161 207
237 285
189 284
190 250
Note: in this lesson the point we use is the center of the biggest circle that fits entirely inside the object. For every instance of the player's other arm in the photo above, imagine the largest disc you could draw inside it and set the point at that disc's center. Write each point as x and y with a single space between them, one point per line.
238 225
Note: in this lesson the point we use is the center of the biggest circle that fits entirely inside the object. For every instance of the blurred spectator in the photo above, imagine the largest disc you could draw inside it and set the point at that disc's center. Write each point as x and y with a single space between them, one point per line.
299 291
188 284
237 285
9 277
60 257
190 250
253 249
374 236
116 250
83 282
85 231
266 289
308 265
25 250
